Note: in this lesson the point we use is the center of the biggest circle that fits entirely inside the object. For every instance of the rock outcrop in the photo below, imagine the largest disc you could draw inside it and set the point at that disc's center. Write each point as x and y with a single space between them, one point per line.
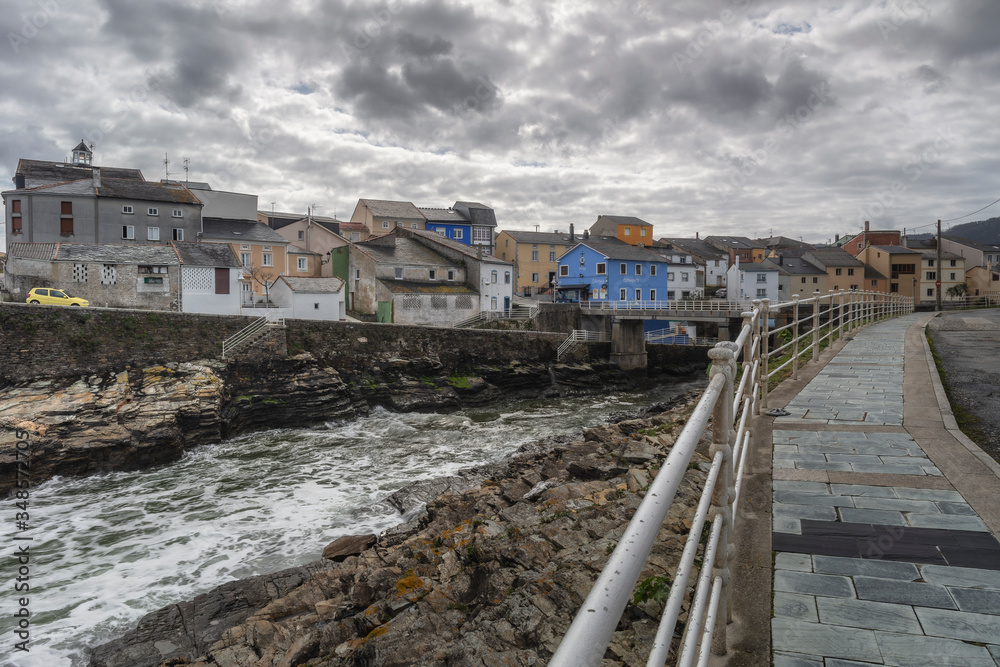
141 417
488 573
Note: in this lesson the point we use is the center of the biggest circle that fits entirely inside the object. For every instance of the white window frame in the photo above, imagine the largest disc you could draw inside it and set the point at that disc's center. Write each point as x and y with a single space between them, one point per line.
638 294
177 213
652 295
638 269
178 234
652 270
451 274
385 224
302 264
128 232
431 274
397 273
246 259
152 210
152 233
267 259
128 210
457 234
622 294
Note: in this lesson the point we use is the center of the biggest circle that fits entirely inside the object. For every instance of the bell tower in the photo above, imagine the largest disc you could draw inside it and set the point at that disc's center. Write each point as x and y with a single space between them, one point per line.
82 155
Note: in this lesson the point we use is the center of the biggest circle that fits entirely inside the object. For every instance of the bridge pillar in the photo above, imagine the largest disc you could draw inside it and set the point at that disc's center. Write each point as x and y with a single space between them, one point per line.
628 344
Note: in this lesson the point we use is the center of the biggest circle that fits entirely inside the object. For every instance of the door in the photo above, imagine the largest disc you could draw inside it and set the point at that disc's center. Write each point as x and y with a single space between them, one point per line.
506 304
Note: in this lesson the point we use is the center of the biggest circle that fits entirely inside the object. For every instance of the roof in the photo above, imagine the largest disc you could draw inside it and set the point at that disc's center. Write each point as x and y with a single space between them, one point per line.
44 171
447 215
240 231
295 250
767 265
897 249
872 274
82 188
32 250
796 266
932 254
468 251
207 254
624 220
624 251
414 287
404 251
549 238
478 214
115 254
120 188
349 226
314 285
976 245
402 210
782 242
739 242
697 247
190 185
83 147
828 257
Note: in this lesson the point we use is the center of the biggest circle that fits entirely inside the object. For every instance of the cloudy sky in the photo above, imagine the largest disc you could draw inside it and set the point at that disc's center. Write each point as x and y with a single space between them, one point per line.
752 117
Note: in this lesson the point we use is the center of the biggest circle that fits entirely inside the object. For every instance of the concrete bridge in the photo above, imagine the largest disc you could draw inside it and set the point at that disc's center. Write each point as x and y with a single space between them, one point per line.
863 522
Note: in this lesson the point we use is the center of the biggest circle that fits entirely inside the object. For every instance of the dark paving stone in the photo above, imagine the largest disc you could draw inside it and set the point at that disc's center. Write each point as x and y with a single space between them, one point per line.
843 546
983 559
831 528
978 541
916 554
903 592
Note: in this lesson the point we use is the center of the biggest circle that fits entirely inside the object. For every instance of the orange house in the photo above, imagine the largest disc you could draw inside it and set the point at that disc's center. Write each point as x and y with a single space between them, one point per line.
633 231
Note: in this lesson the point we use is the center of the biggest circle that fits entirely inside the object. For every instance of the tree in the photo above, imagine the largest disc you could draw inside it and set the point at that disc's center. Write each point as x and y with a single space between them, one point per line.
265 276
959 290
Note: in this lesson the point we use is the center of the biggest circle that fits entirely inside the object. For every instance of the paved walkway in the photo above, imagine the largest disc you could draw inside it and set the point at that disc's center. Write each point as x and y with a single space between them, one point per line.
881 518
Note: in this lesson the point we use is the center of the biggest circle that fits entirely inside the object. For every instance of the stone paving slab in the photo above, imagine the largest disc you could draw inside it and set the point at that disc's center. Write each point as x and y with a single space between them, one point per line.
872 567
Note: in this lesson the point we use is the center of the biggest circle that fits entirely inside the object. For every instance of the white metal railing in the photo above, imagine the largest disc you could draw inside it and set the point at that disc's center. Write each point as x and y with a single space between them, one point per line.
248 333
515 312
682 306
580 336
734 396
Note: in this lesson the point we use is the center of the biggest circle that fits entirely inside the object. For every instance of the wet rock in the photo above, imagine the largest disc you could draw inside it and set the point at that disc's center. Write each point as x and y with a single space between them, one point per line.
349 545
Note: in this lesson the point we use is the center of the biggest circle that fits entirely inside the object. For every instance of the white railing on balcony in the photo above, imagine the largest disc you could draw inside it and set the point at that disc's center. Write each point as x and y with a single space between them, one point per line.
733 398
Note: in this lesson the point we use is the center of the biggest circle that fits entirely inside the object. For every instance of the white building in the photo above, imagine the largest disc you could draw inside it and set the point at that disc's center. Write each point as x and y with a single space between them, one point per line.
746 282
310 298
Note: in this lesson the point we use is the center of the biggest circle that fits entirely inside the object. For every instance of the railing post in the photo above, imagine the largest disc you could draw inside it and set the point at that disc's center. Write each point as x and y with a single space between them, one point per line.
723 438
840 316
815 325
795 336
765 347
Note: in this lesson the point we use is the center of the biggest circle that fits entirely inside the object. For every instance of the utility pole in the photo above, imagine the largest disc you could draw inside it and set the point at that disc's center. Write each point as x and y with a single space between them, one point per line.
939 272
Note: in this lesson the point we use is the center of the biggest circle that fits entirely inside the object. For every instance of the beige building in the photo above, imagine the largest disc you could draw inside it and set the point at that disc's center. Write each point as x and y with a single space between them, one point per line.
315 236
381 216
951 272
257 246
534 256
901 266
843 271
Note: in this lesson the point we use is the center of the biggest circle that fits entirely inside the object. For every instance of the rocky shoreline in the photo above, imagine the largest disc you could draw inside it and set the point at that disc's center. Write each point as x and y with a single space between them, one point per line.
488 572
140 417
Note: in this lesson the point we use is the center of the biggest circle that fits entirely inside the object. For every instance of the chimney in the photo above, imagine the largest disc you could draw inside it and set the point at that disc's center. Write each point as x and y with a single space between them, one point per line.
866 226
97 177
572 237
586 234
836 237
696 234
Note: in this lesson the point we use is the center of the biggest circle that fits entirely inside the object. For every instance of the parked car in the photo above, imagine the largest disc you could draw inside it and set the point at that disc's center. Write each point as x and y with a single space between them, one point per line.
54 297
721 293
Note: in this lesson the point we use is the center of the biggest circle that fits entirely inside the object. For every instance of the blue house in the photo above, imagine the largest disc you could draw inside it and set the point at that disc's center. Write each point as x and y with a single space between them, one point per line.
611 272
448 223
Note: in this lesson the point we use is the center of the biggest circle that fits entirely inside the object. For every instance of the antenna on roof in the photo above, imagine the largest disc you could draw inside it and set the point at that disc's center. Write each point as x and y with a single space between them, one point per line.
166 166
187 169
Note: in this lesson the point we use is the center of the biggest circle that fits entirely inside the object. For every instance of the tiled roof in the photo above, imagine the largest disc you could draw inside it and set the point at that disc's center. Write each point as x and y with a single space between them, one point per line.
60 172
240 231
207 254
119 188
314 285
446 215
403 210
543 238
625 251
932 254
405 252
768 265
738 242
796 266
896 249
478 214
625 220
468 251
295 250
872 274
414 287
828 257
977 245
116 254
696 247
32 250
82 188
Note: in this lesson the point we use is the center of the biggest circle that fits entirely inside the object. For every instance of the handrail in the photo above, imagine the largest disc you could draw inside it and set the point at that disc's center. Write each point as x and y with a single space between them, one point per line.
733 399
240 336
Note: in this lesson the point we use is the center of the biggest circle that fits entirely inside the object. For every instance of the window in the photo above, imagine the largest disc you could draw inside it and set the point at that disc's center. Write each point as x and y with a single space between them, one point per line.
803 280
506 278
534 277
482 235
244 247
854 288
267 248
399 224
178 234
894 287
398 272
762 293
66 218
127 210
563 270
930 291
15 216
850 272
683 259
638 269
315 306
930 262
952 276
534 255
385 224
221 280
670 295
623 269
152 280
815 280
493 303
431 274
152 233
638 295
652 295
670 275
602 268
413 225
552 255
652 269
245 259
838 271
302 264
762 277
932 275
128 231
874 284
152 210
642 231
953 262
451 274
622 294
628 231
493 277
178 213
268 257
457 234
357 274
904 268
685 276
355 236
302 235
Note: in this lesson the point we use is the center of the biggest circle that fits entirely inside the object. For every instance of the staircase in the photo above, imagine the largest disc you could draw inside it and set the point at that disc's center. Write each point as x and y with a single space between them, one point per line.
517 312
257 330
576 338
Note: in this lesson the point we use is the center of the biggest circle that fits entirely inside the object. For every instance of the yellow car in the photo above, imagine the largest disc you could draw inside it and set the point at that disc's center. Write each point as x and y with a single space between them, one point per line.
54 297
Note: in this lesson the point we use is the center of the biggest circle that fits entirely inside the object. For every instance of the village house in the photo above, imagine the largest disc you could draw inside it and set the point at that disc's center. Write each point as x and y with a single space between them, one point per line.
711 258
843 270
686 275
534 255
901 266
185 277
951 272
612 272
626 228
796 276
747 282
261 251
310 298
492 277
738 247
870 237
